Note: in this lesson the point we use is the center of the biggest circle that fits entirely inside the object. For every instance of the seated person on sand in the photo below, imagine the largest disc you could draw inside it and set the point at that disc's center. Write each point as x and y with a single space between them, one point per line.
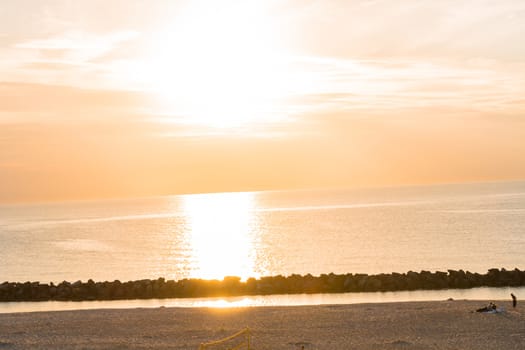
490 307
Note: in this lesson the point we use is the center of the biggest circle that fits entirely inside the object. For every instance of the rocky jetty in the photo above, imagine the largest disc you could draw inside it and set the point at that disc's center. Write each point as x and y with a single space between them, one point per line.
233 286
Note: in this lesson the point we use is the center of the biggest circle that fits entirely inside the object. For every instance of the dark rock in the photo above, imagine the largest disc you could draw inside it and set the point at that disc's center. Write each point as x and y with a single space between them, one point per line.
325 283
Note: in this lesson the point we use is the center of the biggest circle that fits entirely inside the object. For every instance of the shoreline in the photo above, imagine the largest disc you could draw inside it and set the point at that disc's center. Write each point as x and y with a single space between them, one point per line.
401 325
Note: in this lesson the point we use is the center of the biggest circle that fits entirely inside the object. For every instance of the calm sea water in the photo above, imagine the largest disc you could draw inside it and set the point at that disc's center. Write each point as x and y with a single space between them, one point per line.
469 226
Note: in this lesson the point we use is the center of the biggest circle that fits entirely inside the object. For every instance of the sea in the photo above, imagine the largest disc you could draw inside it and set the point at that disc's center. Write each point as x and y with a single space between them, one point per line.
474 227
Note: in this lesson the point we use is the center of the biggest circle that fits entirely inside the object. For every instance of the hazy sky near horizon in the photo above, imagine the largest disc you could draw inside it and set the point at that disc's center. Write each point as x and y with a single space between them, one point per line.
134 97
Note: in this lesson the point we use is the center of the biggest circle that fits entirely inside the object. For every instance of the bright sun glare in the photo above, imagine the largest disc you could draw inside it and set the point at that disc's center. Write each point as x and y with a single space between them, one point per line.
219 66
220 234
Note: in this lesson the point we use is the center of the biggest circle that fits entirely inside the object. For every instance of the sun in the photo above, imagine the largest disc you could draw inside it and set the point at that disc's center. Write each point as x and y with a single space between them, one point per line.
220 66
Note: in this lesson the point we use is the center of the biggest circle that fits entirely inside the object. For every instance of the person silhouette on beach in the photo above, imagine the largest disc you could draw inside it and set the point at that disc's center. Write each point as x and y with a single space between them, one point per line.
490 307
514 300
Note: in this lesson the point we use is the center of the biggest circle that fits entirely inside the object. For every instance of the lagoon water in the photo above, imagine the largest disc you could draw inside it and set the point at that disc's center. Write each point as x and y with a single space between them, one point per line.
482 294
462 226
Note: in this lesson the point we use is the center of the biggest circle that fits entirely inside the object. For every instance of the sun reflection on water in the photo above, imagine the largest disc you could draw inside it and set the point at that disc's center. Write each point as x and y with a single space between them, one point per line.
220 233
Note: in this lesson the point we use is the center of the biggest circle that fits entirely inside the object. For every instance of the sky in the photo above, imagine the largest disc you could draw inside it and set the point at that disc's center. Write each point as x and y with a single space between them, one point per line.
126 98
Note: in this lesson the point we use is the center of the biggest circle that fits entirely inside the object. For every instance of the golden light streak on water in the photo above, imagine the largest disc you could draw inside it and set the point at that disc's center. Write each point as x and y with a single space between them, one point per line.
220 234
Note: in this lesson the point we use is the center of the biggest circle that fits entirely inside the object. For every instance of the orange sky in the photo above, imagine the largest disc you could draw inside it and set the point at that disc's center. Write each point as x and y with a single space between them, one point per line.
130 98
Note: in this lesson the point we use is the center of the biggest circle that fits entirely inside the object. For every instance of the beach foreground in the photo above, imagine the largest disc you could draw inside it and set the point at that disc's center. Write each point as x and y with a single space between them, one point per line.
414 325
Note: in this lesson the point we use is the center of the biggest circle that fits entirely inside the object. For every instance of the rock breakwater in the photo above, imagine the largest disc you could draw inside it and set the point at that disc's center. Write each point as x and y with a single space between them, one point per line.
233 286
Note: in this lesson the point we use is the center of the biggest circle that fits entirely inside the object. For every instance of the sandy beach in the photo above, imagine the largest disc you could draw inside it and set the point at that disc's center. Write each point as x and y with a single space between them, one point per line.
411 325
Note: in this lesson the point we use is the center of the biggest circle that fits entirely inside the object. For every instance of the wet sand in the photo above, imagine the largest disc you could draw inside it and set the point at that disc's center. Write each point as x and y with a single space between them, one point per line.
412 325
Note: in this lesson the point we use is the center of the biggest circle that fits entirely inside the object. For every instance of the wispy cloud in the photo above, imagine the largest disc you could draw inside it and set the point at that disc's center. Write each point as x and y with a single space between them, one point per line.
87 45
411 29
375 85
66 58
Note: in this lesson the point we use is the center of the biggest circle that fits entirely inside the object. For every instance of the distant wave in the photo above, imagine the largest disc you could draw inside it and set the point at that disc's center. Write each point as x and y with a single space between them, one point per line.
343 206
100 219
477 211
178 214
510 194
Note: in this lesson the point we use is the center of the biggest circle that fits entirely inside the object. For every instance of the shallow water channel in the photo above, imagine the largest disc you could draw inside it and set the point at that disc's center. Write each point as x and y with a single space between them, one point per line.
484 294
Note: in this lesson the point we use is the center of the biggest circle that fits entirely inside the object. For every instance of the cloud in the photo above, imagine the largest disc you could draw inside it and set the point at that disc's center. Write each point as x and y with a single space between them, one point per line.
52 66
76 47
417 29
398 85
68 58
78 40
